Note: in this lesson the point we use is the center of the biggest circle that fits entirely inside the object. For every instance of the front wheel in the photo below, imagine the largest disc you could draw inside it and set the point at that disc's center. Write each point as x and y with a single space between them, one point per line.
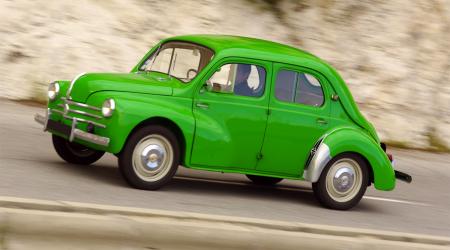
342 183
150 158
75 153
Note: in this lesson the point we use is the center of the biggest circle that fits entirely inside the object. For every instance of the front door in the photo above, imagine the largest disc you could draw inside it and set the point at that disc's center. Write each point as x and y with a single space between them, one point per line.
230 112
299 112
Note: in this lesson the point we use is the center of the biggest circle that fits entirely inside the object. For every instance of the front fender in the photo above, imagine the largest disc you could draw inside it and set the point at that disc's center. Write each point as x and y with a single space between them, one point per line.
351 140
134 108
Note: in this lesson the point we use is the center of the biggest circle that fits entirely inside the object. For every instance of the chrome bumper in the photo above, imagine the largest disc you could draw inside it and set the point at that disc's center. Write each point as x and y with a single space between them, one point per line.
73 133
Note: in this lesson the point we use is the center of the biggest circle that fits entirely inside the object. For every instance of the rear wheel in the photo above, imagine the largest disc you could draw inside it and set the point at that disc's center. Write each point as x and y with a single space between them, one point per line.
75 153
263 180
343 182
150 158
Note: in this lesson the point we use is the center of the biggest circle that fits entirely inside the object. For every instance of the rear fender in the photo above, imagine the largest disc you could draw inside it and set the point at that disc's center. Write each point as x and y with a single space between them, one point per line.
351 140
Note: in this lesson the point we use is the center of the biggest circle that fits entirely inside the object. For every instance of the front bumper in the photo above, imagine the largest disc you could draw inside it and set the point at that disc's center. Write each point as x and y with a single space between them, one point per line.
72 132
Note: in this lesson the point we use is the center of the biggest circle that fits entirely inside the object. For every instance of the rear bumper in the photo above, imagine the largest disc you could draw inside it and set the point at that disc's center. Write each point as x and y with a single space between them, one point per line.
403 176
70 131
398 174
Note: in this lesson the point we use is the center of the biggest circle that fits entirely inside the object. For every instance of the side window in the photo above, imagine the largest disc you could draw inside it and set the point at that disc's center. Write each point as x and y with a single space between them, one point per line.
292 86
240 79
309 91
285 85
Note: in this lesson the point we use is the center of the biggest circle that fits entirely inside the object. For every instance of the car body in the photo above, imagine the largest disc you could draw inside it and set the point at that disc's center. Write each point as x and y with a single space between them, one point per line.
221 103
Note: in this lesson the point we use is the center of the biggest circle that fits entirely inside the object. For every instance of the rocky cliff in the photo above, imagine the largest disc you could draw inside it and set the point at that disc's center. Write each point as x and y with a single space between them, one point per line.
394 55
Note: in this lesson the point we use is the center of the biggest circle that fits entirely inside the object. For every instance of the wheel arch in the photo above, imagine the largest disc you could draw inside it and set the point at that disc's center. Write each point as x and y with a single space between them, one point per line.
351 140
135 110
165 122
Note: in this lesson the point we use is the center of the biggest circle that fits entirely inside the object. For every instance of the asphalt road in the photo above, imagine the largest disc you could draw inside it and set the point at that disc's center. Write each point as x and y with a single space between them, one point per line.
29 168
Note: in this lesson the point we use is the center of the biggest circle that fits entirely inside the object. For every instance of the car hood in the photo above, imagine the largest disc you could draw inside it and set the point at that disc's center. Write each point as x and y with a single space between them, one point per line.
87 84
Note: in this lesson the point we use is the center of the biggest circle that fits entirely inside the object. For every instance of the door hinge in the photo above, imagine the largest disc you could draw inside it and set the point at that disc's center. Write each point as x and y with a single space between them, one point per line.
259 156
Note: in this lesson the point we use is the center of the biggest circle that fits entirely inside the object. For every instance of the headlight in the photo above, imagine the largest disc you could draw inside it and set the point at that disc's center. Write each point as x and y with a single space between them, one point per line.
53 91
108 107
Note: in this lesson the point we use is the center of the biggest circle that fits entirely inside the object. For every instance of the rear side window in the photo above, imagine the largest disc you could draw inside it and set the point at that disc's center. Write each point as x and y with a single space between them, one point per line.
298 87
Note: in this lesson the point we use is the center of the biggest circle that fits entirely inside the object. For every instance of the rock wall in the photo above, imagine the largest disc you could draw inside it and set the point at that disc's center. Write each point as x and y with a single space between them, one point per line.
394 55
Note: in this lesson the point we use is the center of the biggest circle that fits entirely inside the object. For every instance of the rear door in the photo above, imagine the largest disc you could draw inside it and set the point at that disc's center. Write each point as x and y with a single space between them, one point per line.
299 112
231 114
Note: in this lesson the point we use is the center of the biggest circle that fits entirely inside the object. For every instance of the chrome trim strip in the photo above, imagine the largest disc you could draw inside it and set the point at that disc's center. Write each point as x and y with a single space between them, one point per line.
92 138
318 163
85 121
83 105
74 126
77 133
68 110
72 83
58 111
84 113
47 116
78 119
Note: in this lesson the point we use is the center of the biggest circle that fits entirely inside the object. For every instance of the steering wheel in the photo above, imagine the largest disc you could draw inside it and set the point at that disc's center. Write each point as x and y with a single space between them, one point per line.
188 73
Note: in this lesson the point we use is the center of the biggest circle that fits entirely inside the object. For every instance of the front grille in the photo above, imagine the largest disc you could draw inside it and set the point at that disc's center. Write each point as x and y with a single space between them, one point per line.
80 111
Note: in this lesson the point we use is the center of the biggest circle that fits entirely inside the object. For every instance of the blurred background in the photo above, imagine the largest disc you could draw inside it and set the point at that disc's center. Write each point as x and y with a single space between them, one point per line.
393 54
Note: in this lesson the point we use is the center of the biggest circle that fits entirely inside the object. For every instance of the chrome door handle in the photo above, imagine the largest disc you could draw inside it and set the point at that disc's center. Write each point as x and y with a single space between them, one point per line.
202 105
321 121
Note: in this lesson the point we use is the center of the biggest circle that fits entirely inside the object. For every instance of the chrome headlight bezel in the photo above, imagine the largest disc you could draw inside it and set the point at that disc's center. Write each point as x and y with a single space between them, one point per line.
53 91
108 107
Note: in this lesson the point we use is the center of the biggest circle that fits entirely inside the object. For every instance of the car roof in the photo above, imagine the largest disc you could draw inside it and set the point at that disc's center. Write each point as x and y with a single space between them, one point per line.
226 45
258 48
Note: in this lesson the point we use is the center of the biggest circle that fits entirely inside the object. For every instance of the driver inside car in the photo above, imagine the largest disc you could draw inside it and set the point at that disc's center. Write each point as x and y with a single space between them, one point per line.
241 86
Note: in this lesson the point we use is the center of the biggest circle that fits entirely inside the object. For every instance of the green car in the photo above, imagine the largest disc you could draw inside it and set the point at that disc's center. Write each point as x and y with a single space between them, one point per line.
227 104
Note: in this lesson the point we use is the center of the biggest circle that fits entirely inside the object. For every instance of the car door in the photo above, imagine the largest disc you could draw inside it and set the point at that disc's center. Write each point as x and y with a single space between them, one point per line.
230 112
299 111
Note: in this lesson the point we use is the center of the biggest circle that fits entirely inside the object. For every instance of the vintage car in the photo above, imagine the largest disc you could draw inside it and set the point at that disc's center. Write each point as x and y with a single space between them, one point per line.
228 104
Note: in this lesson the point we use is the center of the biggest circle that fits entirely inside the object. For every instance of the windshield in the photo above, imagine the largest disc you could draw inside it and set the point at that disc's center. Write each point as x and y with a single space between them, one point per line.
178 59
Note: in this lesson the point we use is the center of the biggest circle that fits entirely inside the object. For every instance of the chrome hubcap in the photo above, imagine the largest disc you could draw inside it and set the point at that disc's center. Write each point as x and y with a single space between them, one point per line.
152 158
344 180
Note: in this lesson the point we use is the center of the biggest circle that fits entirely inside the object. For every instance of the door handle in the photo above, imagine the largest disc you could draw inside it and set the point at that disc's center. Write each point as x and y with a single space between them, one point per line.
321 121
202 105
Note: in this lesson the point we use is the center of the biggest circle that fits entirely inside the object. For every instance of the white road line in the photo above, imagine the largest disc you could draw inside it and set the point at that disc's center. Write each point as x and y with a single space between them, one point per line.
396 201
299 190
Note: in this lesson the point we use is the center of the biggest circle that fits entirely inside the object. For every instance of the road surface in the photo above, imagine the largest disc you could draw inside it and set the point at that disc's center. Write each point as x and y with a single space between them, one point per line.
29 168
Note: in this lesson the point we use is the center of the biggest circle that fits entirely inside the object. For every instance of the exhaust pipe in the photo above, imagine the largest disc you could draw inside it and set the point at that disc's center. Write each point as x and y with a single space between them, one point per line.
403 176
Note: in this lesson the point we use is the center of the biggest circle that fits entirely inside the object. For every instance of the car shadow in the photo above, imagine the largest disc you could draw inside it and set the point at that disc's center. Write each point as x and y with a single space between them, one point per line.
198 185
110 175
247 190
97 172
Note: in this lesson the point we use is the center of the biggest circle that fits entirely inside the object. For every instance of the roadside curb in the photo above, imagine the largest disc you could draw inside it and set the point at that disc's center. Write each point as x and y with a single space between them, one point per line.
187 217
